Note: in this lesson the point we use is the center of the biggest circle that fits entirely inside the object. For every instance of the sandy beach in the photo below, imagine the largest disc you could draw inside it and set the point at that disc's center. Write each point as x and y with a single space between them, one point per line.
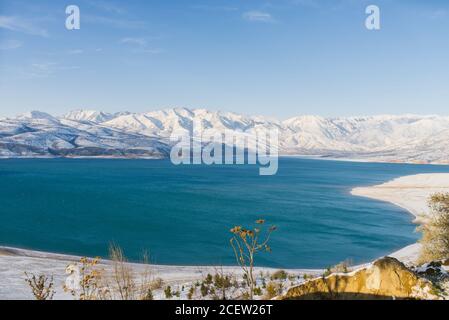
410 193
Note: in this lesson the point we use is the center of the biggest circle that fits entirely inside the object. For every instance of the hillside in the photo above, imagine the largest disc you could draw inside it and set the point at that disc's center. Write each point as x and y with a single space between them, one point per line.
400 138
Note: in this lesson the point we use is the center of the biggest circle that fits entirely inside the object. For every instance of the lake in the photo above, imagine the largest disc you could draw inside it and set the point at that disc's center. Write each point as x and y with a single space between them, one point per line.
182 214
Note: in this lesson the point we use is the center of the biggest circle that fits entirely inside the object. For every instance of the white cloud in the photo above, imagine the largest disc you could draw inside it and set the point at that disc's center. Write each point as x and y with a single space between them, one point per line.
107 6
152 51
215 8
437 14
20 25
75 51
45 70
306 3
140 45
134 41
114 22
10 44
258 16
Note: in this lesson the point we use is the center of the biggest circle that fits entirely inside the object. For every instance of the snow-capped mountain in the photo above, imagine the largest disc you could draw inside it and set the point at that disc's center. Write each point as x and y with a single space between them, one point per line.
37 134
92 116
88 116
406 138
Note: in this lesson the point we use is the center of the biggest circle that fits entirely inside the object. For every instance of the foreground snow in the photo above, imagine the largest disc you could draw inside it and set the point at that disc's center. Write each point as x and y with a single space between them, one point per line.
410 193
15 262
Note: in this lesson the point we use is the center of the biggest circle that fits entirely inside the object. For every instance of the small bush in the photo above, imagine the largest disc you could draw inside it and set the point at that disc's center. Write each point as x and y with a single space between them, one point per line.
156 284
307 276
191 293
209 279
279 275
342 267
222 282
168 293
273 290
435 233
204 290
148 296
327 272
41 286
92 284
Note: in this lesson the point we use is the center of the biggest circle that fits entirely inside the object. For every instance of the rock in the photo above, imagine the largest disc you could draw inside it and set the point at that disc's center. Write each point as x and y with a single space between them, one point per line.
435 264
386 278
434 271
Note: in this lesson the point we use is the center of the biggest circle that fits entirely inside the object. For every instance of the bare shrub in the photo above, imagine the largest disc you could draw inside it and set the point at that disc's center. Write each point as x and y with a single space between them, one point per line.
90 277
147 295
342 267
246 244
273 290
122 274
156 284
146 280
41 286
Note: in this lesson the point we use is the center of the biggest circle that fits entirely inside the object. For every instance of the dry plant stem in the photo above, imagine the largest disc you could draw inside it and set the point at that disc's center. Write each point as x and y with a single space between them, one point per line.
245 244
122 276
146 279
41 286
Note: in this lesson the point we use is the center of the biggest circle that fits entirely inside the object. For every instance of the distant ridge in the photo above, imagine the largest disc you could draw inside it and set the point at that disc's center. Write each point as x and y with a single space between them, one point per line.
90 133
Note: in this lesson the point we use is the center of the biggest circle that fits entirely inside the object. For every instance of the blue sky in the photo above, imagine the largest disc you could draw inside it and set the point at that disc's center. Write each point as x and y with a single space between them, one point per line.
279 58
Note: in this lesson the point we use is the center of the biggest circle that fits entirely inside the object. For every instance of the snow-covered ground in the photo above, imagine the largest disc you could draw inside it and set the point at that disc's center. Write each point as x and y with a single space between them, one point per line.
15 262
411 193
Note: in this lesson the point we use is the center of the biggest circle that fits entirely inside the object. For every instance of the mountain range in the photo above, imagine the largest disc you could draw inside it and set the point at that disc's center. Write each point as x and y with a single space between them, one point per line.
85 133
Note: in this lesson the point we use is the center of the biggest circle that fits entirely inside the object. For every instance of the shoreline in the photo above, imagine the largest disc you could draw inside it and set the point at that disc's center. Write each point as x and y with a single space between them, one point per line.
408 192
14 262
312 157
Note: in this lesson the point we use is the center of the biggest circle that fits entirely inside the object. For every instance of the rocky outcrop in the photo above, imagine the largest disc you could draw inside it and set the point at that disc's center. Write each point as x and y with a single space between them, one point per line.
386 278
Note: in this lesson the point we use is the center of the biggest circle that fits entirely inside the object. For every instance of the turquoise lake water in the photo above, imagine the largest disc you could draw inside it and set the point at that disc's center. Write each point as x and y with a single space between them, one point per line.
182 215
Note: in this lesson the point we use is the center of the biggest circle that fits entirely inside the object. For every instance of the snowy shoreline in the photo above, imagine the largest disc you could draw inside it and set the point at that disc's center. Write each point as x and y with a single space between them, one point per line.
412 194
409 192
281 155
14 262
